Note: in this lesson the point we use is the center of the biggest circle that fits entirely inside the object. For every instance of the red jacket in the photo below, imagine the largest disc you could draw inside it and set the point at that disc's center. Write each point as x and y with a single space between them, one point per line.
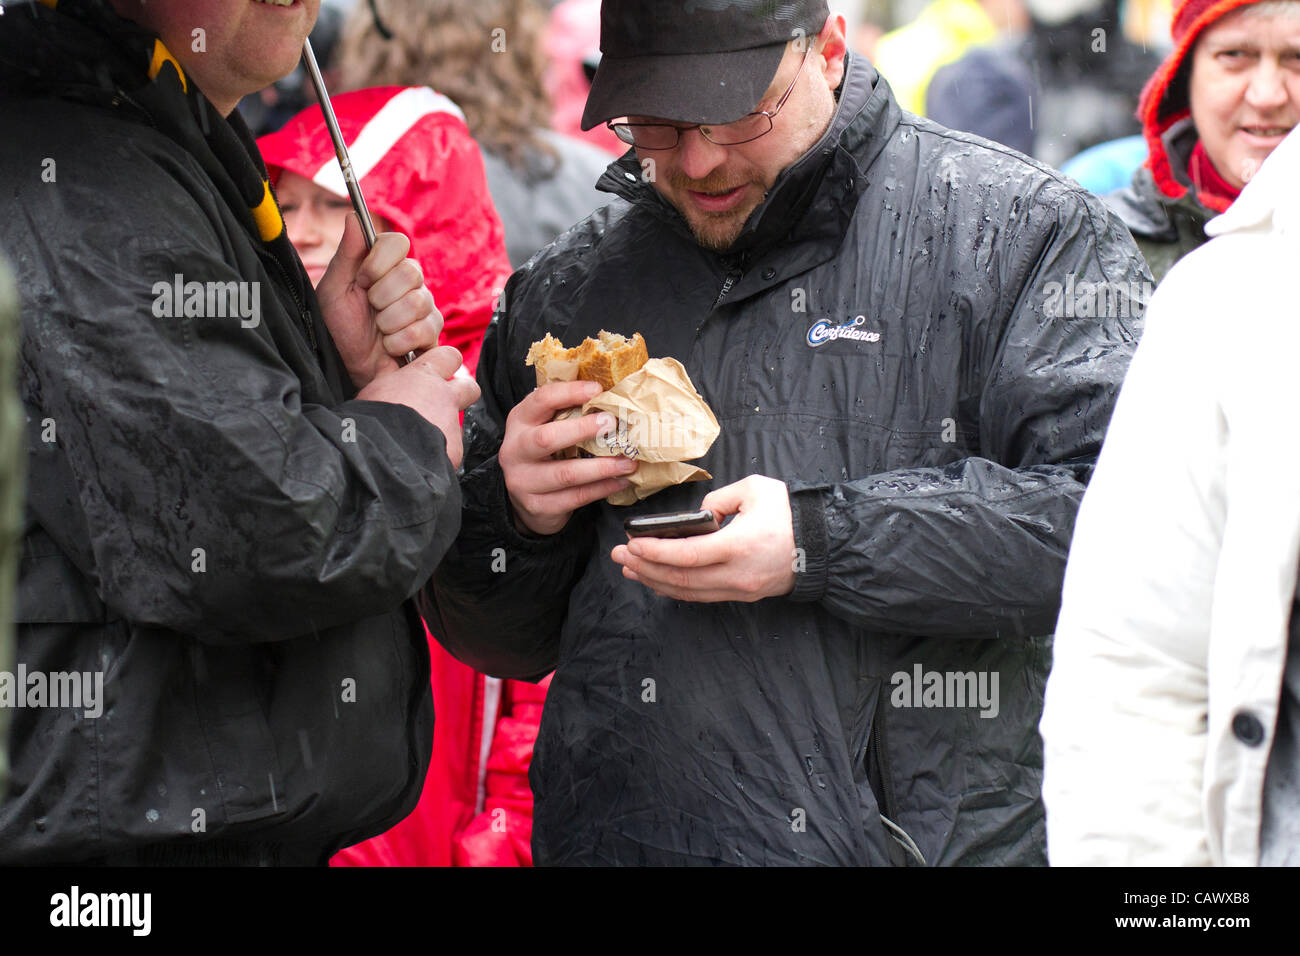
419 168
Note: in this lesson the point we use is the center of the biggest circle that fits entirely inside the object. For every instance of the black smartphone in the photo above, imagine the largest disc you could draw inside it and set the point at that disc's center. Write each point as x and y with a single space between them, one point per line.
674 524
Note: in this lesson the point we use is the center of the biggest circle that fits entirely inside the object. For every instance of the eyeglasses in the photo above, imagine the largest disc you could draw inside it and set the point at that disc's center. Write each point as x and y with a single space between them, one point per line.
744 130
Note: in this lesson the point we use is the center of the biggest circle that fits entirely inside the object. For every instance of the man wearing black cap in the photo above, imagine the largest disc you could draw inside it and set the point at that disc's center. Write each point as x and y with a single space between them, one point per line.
851 670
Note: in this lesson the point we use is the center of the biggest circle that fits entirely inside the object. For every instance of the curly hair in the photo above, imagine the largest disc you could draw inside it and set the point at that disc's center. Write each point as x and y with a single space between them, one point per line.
485 55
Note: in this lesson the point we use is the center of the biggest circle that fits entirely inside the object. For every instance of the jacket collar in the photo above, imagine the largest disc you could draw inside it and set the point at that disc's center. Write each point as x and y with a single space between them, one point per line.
1145 206
1171 154
812 200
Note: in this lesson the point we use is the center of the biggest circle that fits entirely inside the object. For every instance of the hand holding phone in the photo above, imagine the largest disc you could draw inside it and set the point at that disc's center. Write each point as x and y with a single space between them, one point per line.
752 558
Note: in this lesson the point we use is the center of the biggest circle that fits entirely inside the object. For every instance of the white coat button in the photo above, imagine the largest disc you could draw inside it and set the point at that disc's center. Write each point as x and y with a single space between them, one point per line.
1247 728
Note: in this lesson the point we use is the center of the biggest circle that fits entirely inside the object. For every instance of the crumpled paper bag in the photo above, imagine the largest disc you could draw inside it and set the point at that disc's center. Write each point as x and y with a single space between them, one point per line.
662 422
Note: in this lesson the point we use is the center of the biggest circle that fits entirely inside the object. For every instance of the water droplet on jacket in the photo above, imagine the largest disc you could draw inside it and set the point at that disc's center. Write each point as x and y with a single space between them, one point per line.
152 815
40 825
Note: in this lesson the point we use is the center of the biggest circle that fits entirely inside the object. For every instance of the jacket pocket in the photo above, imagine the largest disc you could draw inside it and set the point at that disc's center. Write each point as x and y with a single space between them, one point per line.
228 684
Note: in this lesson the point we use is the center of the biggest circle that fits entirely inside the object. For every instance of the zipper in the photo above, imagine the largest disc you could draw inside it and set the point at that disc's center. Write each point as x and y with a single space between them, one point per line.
303 312
876 754
731 279
878 760
487 733
735 270
120 96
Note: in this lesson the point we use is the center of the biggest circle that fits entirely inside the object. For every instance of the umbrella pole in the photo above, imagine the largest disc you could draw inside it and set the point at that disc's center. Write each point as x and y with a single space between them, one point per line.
341 151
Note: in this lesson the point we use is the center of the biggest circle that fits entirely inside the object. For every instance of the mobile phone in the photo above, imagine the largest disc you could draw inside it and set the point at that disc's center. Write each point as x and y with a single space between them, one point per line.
673 524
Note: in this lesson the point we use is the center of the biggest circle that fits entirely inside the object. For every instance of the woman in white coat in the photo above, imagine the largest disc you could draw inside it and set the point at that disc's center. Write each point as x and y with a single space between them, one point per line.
1172 713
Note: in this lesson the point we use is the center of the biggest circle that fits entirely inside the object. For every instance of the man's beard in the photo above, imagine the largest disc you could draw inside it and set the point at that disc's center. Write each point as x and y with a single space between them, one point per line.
714 231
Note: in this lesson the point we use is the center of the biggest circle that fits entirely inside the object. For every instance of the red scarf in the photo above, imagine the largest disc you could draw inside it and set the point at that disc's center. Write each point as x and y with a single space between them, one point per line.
1211 188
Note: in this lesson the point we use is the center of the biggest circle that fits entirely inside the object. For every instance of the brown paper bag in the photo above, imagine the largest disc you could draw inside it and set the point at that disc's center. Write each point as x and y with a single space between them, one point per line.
662 422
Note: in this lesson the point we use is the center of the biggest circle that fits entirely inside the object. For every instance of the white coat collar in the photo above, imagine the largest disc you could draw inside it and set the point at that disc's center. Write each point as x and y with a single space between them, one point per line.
1273 193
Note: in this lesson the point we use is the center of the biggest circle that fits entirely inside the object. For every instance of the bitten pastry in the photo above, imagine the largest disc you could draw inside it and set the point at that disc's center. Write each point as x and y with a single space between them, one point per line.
608 359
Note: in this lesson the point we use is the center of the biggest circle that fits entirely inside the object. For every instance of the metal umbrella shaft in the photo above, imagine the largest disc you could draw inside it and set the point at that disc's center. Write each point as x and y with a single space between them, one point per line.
341 151
340 147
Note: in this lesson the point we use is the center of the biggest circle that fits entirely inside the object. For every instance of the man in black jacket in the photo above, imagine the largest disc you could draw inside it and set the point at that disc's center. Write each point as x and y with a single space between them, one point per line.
851 670
234 490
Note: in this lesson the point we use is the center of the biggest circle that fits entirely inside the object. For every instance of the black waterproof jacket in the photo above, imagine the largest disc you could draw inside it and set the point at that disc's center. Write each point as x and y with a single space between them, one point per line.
211 523
935 475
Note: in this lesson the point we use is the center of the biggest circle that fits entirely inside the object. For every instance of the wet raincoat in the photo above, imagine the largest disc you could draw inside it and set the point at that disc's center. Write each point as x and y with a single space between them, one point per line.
214 524
879 339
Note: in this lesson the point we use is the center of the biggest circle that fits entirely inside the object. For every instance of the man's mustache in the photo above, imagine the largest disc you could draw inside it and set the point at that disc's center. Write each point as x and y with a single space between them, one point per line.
713 183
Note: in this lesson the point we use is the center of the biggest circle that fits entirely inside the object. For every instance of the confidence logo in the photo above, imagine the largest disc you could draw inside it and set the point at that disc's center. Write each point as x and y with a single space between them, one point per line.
823 331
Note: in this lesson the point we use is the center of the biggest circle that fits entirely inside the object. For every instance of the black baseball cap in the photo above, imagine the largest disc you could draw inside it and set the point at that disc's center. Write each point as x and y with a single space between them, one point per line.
693 61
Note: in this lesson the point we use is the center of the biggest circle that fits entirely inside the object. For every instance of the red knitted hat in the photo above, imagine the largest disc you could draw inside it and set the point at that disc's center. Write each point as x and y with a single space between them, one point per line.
1166 99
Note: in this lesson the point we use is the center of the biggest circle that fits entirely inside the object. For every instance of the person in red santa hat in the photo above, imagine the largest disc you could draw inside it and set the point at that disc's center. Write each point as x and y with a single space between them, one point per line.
422 175
1221 102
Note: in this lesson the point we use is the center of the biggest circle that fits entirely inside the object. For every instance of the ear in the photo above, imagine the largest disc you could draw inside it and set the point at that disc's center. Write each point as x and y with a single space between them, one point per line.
833 47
